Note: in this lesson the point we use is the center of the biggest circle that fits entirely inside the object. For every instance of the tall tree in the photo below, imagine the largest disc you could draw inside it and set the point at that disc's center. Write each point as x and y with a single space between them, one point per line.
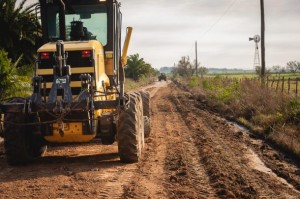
203 71
137 67
19 30
184 67
293 66
277 69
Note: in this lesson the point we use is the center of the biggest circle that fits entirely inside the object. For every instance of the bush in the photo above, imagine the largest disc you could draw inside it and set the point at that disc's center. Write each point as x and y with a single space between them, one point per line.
13 82
222 91
193 82
208 85
293 111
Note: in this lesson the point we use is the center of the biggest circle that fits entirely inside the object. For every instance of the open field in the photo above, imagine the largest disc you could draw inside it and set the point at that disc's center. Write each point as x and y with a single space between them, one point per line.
287 83
252 75
234 76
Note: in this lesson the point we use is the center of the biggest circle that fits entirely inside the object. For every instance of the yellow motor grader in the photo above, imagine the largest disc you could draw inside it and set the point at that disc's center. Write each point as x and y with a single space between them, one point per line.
78 86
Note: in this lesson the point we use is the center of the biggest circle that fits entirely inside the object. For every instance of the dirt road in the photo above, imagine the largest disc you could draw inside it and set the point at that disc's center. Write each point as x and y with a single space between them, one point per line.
191 153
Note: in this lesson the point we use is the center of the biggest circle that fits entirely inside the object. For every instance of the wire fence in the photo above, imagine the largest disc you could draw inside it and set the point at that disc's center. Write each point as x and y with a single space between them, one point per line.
284 85
279 84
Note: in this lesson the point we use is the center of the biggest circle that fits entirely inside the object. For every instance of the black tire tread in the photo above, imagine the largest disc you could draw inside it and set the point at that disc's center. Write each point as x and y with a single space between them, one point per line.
146 111
16 149
21 145
128 131
146 103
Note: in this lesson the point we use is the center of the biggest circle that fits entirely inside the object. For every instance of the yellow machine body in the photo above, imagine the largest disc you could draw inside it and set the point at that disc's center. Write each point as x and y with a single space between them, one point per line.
90 26
73 132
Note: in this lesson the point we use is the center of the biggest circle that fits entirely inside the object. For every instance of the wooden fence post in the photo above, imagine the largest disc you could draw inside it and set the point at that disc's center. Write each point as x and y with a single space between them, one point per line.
282 86
277 83
296 87
289 85
272 82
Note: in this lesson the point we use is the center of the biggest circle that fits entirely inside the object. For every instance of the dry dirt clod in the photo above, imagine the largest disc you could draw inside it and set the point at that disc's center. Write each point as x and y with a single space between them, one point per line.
66 186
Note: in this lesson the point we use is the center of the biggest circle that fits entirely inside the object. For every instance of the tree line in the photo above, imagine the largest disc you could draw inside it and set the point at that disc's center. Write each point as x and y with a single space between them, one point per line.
290 67
186 68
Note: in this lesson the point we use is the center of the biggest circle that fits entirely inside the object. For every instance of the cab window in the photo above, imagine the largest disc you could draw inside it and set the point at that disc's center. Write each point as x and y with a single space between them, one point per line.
92 19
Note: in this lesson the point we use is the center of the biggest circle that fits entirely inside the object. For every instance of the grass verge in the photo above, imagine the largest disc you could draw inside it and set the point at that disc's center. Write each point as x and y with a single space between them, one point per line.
273 115
130 84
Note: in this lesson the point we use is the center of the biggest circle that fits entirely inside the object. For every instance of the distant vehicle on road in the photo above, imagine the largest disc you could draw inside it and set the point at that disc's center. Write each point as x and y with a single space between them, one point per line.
162 76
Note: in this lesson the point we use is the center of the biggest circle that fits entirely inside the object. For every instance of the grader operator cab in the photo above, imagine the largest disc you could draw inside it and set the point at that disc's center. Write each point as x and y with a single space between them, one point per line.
78 86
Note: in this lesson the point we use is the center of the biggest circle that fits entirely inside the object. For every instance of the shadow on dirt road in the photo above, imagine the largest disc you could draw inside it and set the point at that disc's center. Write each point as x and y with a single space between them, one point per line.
65 161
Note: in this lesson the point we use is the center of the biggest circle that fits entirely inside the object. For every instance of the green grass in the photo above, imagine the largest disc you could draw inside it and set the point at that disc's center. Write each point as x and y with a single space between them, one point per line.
253 75
291 75
277 83
235 76
130 84
193 82
221 90
291 89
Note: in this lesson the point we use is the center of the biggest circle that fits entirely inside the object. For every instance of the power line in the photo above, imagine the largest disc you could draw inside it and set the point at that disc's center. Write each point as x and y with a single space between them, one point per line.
215 23
219 19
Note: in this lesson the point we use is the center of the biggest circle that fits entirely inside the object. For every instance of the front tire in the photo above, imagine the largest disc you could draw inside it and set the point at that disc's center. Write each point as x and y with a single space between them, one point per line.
146 112
22 143
131 130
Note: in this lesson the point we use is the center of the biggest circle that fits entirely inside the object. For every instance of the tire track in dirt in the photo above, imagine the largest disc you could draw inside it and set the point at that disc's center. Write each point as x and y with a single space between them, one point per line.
187 174
191 153
226 156
77 171
83 171
280 165
171 161
148 182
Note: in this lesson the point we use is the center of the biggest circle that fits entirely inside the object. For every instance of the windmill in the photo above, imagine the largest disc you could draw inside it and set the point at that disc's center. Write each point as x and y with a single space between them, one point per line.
256 39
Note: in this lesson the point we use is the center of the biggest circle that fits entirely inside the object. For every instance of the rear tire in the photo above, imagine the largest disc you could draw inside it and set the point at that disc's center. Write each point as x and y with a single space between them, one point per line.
147 126
22 143
131 130
146 111
109 140
106 130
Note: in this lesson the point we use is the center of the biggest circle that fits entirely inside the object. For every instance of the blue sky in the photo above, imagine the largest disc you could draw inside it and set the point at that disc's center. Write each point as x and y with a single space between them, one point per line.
165 30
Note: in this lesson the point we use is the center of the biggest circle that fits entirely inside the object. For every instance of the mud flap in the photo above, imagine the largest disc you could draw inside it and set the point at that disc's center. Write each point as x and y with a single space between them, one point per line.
107 129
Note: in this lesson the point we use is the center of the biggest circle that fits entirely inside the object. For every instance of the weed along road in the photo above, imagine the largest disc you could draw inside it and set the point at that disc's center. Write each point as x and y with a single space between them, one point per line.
191 153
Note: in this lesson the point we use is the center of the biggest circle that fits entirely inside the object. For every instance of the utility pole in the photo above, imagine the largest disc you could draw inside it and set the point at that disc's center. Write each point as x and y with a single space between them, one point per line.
263 60
196 48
